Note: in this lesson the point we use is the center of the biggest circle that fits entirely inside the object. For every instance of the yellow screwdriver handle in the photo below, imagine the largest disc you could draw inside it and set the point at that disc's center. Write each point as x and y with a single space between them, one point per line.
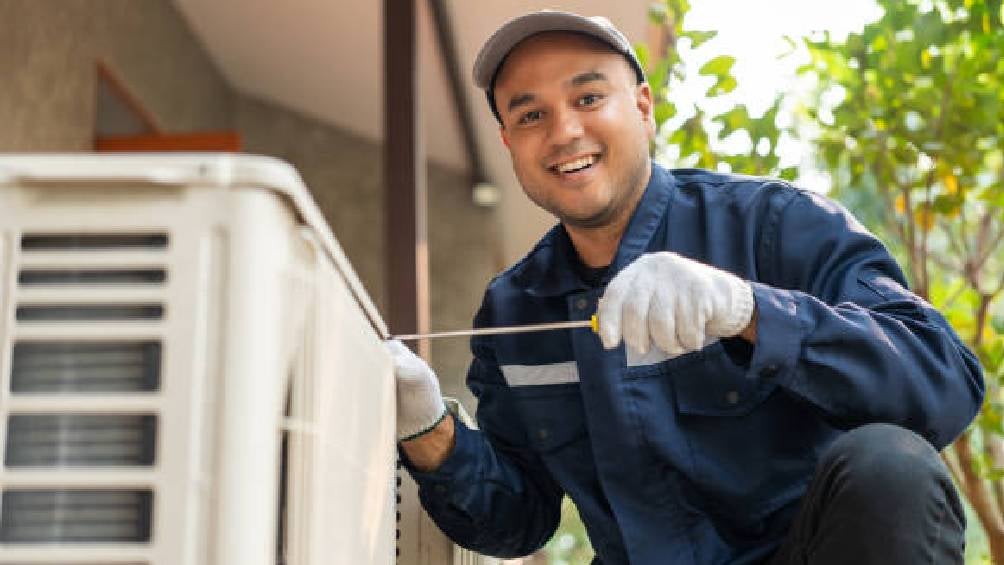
594 323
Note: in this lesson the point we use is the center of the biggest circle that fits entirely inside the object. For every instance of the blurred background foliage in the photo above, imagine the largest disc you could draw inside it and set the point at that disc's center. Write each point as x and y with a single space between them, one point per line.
904 116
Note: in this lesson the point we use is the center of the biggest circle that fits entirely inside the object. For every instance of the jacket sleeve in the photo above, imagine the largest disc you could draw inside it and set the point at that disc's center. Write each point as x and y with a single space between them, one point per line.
838 328
493 494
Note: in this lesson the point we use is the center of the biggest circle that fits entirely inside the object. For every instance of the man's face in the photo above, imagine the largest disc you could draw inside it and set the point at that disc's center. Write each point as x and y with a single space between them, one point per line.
578 127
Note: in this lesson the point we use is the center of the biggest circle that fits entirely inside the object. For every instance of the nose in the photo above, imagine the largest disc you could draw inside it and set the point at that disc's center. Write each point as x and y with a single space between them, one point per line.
566 127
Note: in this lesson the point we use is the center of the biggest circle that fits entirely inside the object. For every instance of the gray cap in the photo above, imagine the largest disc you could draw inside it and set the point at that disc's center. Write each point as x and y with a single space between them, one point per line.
505 38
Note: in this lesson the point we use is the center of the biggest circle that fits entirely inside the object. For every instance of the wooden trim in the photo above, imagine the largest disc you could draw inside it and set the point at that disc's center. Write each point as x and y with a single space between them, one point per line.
120 89
199 141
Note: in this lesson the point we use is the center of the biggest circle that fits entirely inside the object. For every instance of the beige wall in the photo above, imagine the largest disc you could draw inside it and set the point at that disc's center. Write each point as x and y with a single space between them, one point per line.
48 50
48 84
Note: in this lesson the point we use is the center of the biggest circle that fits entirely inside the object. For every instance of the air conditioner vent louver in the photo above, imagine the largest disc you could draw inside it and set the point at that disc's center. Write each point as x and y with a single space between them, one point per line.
80 440
74 516
88 312
71 367
67 284
32 277
55 242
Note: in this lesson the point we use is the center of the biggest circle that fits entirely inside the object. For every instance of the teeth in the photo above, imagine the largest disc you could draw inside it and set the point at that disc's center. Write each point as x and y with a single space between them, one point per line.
577 164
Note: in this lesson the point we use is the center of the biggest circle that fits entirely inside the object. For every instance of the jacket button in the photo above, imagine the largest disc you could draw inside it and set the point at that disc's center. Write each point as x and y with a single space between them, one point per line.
732 397
768 371
581 303
543 434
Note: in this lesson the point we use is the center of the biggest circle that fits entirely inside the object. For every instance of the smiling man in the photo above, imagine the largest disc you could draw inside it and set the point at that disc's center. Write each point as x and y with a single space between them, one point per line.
763 389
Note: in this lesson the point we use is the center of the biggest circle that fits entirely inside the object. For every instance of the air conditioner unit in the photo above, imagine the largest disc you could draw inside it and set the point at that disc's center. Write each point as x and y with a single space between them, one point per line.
190 372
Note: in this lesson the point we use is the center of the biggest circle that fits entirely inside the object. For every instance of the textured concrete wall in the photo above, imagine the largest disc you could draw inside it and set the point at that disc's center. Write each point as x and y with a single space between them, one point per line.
345 174
464 254
48 51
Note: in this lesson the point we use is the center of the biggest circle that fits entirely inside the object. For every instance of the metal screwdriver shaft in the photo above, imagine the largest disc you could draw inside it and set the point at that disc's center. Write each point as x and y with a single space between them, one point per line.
590 323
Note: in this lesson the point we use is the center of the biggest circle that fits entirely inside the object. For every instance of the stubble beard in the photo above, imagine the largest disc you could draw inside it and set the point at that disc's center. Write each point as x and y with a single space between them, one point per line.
626 196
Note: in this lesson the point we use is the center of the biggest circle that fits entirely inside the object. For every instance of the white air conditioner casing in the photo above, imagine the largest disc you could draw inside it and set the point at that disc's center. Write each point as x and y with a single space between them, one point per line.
270 356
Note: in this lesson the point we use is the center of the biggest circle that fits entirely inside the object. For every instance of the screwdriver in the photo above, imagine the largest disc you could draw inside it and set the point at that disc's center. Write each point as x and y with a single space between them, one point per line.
592 323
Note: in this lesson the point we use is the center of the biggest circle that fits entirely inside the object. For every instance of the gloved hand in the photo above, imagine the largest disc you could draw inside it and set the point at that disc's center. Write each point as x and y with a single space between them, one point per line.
674 302
420 404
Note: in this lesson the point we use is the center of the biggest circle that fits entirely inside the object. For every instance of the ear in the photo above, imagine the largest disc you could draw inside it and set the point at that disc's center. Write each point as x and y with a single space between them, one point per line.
502 134
645 105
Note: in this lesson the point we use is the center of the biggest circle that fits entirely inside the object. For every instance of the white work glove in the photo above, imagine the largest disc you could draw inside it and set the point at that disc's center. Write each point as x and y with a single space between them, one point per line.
420 404
674 302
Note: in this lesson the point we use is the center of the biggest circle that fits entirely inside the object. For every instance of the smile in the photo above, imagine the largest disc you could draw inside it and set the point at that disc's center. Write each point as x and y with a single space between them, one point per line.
575 165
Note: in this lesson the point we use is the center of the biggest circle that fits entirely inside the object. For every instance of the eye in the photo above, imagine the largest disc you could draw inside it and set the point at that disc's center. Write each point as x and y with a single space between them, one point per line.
588 100
529 117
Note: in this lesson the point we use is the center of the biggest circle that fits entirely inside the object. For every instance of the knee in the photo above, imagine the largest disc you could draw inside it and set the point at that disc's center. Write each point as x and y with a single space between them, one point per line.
888 459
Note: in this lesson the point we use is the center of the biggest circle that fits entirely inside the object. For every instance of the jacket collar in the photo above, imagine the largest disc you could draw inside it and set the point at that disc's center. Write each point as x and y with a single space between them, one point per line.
550 269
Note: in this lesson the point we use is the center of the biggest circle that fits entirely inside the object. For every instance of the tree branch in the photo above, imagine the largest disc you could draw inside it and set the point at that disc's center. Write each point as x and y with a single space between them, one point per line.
988 250
1000 287
928 218
975 488
953 466
995 453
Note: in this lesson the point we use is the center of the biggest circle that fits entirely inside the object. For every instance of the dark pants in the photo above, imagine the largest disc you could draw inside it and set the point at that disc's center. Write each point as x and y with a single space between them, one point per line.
881 495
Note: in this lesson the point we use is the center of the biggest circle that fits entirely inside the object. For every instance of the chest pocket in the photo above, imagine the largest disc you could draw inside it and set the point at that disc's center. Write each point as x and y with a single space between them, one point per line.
553 415
716 386
706 383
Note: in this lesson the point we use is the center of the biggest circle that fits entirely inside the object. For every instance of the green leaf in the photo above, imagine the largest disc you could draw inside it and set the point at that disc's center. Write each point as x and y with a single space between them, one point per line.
723 86
734 119
993 195
698 38
719 66
678 137
641 51
788 173
663 112
947 203
997 323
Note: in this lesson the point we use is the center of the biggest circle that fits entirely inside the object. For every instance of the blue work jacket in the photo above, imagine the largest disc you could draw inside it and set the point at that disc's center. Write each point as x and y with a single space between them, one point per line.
700 459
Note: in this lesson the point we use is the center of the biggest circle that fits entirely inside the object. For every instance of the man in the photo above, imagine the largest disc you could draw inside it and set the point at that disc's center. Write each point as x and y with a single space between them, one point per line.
763 388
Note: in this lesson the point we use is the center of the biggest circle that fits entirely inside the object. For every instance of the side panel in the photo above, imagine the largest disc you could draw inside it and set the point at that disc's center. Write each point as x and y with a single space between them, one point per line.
356 412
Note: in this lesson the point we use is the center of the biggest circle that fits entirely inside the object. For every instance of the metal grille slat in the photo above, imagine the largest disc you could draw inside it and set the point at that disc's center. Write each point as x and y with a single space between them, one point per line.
92 440
62 277
88 312
68 516
38 242
71 367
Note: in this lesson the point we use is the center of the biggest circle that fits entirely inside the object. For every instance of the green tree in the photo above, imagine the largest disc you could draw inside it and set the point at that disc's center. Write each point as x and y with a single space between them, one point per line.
914 148
693 139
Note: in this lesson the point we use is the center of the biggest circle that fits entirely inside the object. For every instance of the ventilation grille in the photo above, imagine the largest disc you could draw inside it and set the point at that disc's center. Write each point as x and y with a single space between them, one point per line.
73 516
75 367
80 440
65 242
63 283
89 312
52 277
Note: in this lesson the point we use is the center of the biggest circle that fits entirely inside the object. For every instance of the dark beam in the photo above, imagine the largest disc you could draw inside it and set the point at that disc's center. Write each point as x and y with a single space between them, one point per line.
446 40
407 255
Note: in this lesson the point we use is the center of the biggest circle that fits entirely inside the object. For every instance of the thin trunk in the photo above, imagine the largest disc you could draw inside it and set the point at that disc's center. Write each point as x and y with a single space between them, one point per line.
974 488
995 454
